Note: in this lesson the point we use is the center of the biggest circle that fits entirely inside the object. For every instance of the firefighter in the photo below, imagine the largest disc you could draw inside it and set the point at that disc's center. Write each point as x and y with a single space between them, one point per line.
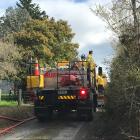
90 67
90 61
100 81
91 76
83 57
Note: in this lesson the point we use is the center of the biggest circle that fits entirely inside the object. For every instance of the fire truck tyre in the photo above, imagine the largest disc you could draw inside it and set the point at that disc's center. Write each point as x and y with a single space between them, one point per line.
94 108
90 115
79 115
95 102
85 114
48 114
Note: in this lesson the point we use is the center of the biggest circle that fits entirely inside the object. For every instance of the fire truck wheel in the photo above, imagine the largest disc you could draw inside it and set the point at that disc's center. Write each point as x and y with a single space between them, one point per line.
85 115
79 115
90 115
94 108
49 114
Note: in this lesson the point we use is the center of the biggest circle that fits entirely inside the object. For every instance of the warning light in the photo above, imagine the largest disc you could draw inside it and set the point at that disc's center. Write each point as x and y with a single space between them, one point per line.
83 94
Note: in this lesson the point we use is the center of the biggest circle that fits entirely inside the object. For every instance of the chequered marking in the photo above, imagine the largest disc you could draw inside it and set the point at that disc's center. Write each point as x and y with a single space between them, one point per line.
72 97
66 97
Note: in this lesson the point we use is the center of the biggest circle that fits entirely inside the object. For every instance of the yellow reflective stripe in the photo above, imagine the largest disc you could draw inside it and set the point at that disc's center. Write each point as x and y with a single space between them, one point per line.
68 97
41 97
72 97
61 97
65 97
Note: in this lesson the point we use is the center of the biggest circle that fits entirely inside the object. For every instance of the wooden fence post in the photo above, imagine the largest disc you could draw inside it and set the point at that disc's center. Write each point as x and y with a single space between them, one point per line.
20 97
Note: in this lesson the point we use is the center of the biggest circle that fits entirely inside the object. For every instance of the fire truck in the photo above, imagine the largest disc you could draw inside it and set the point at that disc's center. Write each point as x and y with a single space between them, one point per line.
69 87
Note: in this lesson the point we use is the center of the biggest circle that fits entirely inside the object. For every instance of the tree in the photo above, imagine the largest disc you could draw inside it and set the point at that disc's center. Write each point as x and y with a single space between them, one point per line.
123 98
9 55
13 21
48 40
32 8
45 39
62 41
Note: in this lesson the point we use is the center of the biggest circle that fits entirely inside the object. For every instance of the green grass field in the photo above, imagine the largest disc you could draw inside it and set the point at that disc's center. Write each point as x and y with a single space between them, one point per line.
8 103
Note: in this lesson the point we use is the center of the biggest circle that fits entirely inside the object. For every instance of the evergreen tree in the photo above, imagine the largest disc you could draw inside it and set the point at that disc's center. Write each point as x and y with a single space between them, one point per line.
33 9
47 39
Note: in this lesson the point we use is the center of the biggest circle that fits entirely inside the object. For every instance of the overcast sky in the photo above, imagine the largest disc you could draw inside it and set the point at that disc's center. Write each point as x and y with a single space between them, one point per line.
91 33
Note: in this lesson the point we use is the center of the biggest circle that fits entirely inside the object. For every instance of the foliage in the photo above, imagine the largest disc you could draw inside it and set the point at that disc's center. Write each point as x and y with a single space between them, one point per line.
122 93
32 8
13 21
9 55
45 39
36 36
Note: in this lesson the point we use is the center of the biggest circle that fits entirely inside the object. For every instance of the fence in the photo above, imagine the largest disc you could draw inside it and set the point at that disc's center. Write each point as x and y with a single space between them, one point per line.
19 96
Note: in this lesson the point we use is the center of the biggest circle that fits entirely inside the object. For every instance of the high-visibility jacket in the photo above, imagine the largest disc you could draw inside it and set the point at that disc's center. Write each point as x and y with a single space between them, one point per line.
90 62
100 80
105 80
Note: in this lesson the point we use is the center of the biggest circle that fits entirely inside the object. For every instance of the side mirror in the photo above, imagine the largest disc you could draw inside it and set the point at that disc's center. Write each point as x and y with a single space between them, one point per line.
100 71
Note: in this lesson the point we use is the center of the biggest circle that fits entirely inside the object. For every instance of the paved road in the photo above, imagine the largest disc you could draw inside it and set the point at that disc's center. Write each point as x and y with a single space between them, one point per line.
64 127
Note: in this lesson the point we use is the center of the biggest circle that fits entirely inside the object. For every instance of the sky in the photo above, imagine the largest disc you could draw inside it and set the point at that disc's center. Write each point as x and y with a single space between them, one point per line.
90 31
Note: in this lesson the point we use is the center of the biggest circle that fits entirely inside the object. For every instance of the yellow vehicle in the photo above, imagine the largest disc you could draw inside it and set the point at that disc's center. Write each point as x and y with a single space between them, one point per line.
68 87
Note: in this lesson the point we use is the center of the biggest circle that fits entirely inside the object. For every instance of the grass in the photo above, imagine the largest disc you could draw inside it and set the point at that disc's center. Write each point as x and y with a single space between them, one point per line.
8 103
